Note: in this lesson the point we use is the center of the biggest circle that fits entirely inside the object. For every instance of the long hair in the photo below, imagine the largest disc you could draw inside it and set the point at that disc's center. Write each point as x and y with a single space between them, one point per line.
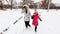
26 7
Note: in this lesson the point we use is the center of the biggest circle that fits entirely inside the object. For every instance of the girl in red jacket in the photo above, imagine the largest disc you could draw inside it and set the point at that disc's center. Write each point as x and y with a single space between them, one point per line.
35 18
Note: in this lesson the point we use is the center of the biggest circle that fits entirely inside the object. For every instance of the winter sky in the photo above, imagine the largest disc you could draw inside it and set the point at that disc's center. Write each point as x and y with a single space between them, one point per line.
53 1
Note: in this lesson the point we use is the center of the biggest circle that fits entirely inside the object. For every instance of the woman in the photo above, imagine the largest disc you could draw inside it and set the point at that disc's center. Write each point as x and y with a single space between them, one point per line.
26 15
35 18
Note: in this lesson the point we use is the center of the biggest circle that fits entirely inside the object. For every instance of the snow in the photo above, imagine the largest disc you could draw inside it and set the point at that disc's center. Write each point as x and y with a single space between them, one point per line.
50 22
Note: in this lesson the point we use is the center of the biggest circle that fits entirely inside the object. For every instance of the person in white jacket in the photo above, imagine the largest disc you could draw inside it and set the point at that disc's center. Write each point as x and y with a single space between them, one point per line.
26 15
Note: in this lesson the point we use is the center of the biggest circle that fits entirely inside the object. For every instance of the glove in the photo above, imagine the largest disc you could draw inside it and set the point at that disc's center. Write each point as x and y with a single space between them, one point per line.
40 20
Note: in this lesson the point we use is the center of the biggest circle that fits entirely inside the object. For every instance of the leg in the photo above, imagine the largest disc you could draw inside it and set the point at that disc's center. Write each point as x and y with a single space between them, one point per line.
29 24
26 24
35 28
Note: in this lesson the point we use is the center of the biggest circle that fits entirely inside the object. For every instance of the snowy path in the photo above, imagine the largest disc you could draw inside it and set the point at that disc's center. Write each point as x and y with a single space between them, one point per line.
49 25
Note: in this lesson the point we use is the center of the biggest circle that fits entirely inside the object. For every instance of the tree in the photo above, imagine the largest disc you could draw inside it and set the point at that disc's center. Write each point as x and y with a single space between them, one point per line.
1 4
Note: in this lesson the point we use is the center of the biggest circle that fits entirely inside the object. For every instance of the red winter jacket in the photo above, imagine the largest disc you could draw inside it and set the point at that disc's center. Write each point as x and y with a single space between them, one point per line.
35 19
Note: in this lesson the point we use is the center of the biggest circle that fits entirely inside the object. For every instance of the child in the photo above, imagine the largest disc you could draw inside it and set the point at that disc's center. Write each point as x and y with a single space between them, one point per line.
26 15
35 18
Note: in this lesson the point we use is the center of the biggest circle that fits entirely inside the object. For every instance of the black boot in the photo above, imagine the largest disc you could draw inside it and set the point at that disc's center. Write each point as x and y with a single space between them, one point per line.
35 28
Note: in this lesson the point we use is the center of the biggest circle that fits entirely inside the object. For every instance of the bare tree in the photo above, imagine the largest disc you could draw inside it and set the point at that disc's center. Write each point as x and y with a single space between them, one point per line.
7 1
1 4
28 2
49 2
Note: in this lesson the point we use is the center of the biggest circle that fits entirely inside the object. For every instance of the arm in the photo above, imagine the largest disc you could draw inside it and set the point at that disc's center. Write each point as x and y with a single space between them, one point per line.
39 18
29 12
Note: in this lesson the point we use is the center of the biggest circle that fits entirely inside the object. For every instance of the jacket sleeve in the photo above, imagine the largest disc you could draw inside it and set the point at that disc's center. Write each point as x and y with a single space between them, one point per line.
29 14
39 18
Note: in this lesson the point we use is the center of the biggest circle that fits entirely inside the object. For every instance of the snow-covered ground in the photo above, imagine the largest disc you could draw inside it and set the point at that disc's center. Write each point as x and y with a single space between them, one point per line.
50 22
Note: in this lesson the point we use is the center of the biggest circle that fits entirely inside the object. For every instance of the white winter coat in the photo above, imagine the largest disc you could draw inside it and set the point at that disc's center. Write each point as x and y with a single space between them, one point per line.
26 15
